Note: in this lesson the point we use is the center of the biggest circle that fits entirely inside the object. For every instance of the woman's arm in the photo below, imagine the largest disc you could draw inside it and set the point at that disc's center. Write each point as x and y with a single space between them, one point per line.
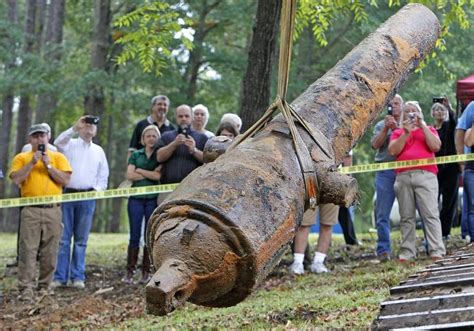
396 146
153 175
132 174
433 142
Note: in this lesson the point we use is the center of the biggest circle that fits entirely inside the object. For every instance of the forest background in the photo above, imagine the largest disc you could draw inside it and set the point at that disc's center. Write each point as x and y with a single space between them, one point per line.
60 59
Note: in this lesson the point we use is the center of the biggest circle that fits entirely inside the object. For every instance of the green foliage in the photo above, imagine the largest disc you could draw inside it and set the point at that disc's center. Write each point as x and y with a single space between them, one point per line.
147 35
321 14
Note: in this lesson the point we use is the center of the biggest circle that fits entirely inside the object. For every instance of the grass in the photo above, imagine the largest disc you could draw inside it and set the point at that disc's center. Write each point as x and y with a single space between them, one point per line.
348 297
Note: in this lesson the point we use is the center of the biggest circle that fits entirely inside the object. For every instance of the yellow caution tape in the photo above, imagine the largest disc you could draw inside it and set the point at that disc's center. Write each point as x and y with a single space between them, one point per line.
131 191
406 164
90 195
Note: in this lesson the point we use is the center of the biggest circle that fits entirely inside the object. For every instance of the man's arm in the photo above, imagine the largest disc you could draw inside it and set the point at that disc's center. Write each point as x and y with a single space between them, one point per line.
459 141
64 138
20 175
165 152
60 177
197 154
380 138
193 150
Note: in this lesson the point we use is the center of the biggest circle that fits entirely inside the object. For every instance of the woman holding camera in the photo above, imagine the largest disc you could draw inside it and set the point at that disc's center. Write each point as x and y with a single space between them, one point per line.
417 187
142 170
448 174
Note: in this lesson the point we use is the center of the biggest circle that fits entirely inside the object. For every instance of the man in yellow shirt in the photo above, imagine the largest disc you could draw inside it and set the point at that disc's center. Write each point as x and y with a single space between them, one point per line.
37 173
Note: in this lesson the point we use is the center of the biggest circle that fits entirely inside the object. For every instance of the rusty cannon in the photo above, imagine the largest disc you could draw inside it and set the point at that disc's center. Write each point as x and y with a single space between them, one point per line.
225 227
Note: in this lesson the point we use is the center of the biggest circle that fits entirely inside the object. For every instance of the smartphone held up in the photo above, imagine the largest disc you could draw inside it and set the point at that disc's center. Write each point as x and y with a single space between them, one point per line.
91 120
438 100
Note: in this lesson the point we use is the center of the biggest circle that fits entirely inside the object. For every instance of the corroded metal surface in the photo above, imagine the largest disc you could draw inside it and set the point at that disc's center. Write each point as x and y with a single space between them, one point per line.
227 225
440 296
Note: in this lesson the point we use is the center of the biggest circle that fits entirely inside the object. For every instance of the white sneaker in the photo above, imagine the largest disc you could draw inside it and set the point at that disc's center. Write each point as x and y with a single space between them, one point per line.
55 284
318 267
79 284
297 268
467 239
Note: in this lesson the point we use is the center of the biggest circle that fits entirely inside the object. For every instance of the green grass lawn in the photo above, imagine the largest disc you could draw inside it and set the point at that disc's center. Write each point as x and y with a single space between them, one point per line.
348 297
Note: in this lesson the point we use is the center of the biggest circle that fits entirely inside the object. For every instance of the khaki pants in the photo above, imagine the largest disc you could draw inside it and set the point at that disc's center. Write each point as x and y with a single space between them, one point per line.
40 232
328 215
418 189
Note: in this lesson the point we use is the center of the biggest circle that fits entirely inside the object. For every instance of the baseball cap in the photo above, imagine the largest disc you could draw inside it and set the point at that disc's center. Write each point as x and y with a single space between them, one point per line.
43 127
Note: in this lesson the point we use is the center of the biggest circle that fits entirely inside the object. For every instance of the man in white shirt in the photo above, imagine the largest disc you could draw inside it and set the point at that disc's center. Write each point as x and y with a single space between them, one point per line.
90 173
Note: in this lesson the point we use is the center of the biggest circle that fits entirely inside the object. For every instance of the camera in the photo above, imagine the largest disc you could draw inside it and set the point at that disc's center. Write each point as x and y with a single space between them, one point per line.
91 120
389 109
184 129
41 148
438 100
412 117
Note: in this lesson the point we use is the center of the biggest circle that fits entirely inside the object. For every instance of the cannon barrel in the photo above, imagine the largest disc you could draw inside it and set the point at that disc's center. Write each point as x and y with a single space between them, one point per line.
228 223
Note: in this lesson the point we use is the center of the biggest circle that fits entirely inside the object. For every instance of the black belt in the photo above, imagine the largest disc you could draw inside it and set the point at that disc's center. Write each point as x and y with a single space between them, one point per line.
53 205
74 190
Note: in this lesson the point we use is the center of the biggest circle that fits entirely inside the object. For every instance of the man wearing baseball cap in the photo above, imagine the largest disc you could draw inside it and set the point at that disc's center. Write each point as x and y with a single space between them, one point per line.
38 173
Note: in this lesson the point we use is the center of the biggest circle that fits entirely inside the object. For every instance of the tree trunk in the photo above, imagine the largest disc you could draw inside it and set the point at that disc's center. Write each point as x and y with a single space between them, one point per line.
53 38
196 54
7 105
7 114
24 110
255 95
94 101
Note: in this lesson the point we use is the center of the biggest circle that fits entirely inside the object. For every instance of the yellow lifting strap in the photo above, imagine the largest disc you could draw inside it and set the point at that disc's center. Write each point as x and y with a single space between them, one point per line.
287 22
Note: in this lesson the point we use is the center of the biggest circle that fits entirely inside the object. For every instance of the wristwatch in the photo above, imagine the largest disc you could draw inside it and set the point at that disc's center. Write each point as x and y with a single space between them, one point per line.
48 166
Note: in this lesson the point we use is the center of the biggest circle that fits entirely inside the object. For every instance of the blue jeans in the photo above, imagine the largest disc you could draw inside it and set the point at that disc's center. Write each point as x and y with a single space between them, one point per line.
464 218
77 222
469 193
137 209
384 181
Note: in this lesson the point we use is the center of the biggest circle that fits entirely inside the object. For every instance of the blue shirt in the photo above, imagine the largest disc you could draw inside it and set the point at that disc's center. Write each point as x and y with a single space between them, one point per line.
465 123
181 163
467 117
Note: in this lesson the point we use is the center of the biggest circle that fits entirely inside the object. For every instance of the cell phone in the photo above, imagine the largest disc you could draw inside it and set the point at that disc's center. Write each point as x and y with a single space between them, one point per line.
438 100
389 109
184 129
41 148
91 120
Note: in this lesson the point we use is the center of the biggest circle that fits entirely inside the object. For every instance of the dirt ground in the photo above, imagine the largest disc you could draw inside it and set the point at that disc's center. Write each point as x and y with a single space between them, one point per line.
106 300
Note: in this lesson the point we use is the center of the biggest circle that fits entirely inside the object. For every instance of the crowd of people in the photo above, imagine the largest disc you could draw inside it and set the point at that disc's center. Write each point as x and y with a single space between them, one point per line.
161 152
56 235
404 135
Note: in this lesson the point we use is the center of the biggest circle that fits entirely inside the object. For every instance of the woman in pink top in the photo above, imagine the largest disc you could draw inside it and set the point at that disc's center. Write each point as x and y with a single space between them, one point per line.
417 187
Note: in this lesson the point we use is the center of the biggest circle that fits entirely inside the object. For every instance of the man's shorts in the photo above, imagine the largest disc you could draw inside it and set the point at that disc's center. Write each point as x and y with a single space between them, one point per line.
329 215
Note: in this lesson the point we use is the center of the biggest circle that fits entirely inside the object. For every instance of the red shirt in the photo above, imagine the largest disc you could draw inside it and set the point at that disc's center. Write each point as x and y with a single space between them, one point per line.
415 148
